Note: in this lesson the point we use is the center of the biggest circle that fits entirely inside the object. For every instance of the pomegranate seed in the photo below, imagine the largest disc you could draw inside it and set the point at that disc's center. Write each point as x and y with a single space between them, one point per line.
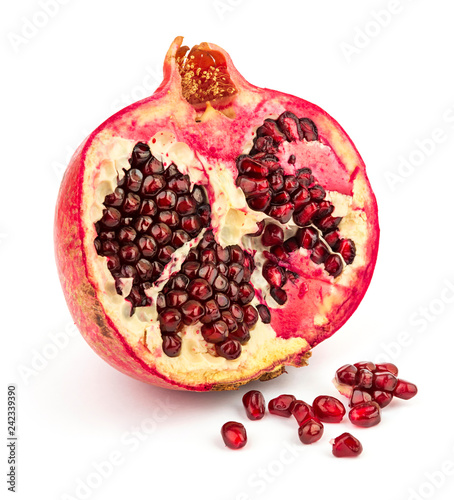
179 238
129 253
282 213
280 198
274 274
333 265
319 253
290 184
241 334
140 154
200 289
179 185
364 378
325 208
171 345
307 237
270 128
290 126
301 411
236 272
332 238
111 217
329 223
310 431
292 159
165 254
251 315
279 295
116 198
291 245
236 254
134 178
113 263
203 216
301 198
215 332
346 374
264 313
192 224
212 312
328 409
347 249
260 228
176 298
185 205
192 311
208 272
365 414
170 320
388 367
252 187
346 445
222 301
317 193
179 282
166 200
233 291
260 202
281 405
254 404
382 398
145 270
368 365
234 435
229 320
405 390
279 252
153 166
384 381
191 268
230 349
161 233
221 283
304 216
309 129
359 397
152 185
247 166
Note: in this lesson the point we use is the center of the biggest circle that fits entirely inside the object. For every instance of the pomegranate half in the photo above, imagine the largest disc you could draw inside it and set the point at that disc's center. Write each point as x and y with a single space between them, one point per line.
215 232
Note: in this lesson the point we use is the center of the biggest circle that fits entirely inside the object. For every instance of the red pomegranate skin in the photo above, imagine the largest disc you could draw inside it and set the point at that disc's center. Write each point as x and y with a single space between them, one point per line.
72 238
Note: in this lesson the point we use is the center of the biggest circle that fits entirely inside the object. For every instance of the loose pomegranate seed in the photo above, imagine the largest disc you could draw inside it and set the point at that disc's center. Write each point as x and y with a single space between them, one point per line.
328 409
170 320
307 237
279 295
346 445
254 404
368 365
364 378
301 411
230 349
281 405
234 435
365 414
382 398
405 390
384 381
264 313
388 367
359 397
171 345
310 431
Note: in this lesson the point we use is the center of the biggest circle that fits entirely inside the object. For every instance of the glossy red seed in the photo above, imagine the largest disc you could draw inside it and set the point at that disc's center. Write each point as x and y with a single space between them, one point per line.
346 445
170 320
241 334
279 295
282 213
254 404
346 374
301 411
382 398
328 409
171 345
229 349
305 215
274 274
368 365
307 237
264 313
334 265
405 390
281 405
359 397
192 311
347 249
200 289
365 414
319 253
260 228
388 367
384 381
234 435
310 431
272 235
364 378
215 332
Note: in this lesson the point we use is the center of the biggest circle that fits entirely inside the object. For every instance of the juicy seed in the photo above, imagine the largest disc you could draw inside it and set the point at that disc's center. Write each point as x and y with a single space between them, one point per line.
364 378
359 397
384 381
365 414
234 435
405 390
347 249
382 398
333 265
279 295
171 345
254 404
319 253
307 237
301 411
215 332
170 320
281 405
310 431
264 313
328 409
346 445
274 274
230 349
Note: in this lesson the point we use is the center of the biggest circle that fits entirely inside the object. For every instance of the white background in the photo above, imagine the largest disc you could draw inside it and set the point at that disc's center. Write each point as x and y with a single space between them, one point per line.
391 87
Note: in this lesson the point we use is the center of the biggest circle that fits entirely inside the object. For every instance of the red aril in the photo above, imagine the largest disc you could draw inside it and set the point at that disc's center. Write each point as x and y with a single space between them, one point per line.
328 409
388 367
405 390
234 435
364 379
281 405
346 445
346 375
185 183
310 431
384 381
358 397
254 404
301 411
382 398
365 414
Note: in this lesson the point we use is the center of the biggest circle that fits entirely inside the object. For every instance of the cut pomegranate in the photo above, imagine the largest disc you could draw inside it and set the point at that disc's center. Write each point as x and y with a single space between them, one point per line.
278 214
346 445
310 431
281 405
405 390
328 409
365 414
254 404
234 435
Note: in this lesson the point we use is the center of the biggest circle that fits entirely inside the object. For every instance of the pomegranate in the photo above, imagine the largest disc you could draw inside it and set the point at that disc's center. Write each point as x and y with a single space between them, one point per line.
215 232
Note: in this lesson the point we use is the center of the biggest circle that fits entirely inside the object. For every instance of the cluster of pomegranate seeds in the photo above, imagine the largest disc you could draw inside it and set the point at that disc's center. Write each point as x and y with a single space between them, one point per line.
212 289
281 197
371 387
234 435
151 213
374 380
